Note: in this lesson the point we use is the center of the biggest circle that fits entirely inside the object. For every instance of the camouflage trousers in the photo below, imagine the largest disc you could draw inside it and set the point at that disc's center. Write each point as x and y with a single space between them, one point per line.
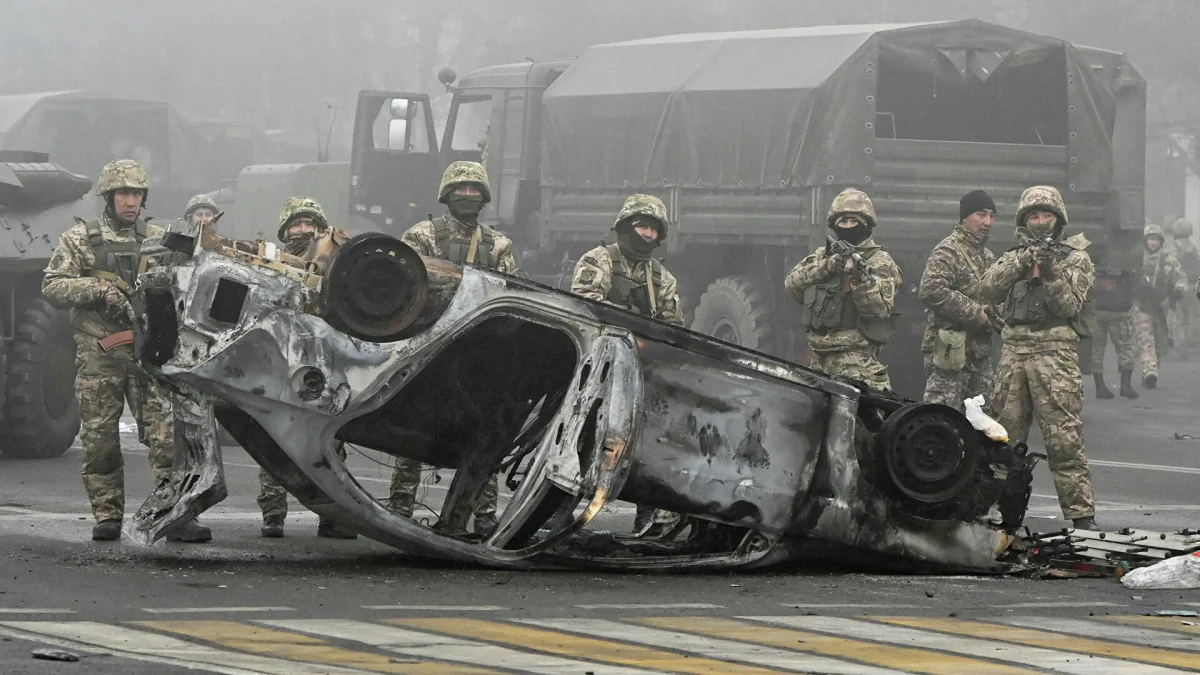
1117 326
272 497
950 387
1050 386
106 380
1185 323
858 365
1151 340
406 478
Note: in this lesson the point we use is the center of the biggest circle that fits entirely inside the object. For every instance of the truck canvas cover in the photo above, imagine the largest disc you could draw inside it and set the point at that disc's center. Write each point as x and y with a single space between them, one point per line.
803 106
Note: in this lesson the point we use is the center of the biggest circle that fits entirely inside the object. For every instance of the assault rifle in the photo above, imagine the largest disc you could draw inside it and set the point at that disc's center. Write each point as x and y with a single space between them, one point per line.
1053 247
847 250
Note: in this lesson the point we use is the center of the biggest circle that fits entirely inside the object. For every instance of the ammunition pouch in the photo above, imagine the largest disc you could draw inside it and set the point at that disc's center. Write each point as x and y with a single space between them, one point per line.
950 350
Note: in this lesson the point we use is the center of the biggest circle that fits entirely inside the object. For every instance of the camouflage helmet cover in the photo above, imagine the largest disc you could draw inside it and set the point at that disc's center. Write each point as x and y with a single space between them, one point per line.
644 205
301 206
1152 230
1042 198
461 172
852 202
1182 229
200 202
122 174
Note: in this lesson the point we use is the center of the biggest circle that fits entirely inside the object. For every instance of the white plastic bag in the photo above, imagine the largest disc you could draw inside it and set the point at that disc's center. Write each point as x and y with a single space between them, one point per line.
1182 571
981 422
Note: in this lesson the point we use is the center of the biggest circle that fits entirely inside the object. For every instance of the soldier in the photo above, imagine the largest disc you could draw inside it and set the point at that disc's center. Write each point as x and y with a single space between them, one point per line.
957 344
1117 326
1162 279
1044 290
91 273
456 236
849 313
306 234
626 275
1187 311
200 209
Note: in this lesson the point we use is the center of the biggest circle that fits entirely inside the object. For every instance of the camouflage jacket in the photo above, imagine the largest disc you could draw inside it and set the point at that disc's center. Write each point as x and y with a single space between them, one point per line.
1067 286
593 279
422 237
1188 257
951 294
870 300
67 286
1162 273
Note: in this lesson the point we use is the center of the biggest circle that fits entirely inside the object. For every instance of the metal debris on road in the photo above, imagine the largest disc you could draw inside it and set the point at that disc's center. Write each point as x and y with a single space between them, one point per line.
48 654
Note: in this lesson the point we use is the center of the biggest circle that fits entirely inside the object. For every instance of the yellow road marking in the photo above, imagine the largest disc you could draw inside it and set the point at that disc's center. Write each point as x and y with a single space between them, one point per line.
591 649
903 658
1171 623
300 647
1059 641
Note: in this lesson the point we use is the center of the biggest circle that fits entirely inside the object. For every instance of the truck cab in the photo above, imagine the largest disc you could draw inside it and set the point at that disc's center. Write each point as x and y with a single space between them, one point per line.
495 118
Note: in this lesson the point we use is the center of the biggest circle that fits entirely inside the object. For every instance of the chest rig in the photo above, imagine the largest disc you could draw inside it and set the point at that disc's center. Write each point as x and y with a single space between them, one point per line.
476 249
116 261
626 291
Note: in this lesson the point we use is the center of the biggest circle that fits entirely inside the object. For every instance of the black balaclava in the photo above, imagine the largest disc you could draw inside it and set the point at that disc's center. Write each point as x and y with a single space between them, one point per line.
852 235
465 208
632 244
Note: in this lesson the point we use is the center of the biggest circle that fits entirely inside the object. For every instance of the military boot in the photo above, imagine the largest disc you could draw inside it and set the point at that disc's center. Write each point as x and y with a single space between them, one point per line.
1150 380
1102 390
1127 389
1085 523
191 532
272 527
328 527
108 529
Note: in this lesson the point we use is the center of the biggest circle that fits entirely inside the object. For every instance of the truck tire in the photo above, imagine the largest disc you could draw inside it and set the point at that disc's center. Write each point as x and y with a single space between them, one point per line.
41 415
733 309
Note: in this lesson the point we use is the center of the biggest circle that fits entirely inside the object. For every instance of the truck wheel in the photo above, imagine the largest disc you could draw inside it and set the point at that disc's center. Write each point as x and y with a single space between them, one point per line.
41 415
734 310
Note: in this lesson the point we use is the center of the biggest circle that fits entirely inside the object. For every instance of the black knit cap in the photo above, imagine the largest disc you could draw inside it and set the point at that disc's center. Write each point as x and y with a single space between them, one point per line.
971 202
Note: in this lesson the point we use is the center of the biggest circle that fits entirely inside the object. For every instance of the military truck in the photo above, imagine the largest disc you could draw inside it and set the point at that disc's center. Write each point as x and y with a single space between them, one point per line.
747 136
39 416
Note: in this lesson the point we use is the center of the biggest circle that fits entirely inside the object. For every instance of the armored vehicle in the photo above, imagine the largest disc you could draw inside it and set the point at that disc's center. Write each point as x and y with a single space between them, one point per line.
747 137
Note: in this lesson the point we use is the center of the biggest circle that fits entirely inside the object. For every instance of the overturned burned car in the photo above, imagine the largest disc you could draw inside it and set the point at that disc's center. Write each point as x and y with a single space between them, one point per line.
573 403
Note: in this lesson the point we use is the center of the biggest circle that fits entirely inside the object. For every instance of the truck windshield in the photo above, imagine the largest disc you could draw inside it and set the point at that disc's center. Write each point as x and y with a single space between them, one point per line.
472 122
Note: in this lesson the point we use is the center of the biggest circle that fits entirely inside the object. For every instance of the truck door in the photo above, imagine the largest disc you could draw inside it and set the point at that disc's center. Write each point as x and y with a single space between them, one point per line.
394 162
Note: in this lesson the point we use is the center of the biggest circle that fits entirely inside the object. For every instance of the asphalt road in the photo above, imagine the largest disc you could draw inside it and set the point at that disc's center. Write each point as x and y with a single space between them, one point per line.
243 604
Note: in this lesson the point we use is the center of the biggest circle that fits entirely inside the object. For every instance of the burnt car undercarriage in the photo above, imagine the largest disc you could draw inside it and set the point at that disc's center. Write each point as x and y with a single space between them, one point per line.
572 403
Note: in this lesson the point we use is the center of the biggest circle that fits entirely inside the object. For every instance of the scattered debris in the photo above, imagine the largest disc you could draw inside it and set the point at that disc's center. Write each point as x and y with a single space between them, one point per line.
1173 573
1177 612
1109 554
1185 437
50 654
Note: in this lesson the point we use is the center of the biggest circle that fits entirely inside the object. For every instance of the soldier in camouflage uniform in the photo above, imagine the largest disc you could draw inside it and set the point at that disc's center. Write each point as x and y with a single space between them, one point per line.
1162 280
848 316
625 274
1186 315
91 273
957 344
458 237
306 234
200 209
1044 294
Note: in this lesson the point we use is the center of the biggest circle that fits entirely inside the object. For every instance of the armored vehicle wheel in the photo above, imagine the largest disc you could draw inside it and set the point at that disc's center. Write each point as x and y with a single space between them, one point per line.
733 309
41 415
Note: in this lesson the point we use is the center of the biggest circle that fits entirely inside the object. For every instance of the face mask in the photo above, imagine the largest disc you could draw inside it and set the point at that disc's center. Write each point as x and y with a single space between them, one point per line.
1043 229
297 244
633 245
853 235
465 206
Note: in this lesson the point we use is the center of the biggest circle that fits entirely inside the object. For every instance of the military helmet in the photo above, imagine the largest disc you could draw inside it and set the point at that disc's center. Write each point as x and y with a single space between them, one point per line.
852 202
1152 230
301 206
1042 198
200 202
121 174
644 205
460 173
1183 229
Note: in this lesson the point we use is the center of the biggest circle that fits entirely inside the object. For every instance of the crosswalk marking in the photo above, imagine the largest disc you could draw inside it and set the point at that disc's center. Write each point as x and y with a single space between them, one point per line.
145 646
1051 659
1138 636
1169 623
1036 638
714 648
298 647
576 646
708 645
906 658
429 646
